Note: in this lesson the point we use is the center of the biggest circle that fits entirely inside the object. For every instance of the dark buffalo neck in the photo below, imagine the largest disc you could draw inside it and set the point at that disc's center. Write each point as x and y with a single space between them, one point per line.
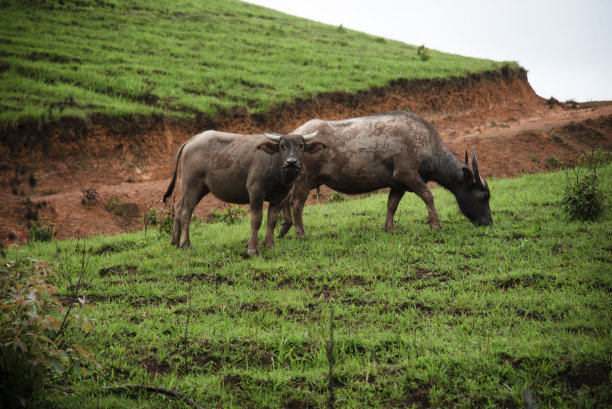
443 169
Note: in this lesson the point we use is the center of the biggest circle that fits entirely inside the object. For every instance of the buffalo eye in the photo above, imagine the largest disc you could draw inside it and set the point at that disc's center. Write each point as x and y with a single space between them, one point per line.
301 146
282 145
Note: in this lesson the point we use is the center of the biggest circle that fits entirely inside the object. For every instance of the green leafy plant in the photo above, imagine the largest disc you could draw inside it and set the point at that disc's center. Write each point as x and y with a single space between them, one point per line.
33 348
336 197
583 197
231 215
160 218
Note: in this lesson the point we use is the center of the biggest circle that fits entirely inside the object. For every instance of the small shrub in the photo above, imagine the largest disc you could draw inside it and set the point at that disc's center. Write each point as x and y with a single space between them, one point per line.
423 53
161 218
583 197
90 195
557 138
232 214
32 324
114 206
336 197
554 162
41 231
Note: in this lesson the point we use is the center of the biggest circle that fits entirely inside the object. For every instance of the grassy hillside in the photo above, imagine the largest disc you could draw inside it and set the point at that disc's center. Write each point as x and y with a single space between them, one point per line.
182 58
465 317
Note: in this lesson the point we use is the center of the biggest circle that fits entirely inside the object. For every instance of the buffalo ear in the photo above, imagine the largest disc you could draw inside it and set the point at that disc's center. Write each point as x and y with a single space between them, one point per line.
468 176
314 147
268 147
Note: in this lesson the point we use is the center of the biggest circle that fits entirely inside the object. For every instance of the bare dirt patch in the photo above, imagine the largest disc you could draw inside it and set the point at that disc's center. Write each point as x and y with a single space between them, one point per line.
99 178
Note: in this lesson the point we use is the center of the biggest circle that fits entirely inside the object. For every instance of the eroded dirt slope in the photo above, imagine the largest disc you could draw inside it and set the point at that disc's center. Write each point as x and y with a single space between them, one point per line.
125 167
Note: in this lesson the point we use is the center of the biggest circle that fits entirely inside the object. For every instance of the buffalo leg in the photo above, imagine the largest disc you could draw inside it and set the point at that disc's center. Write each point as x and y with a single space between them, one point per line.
395 195
298 199
182 217
424 193
273 213
414 183
176 228
287 220
256 208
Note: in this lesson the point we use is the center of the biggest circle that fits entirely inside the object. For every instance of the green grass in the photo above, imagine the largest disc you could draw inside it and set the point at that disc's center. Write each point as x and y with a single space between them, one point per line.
184 58
465 317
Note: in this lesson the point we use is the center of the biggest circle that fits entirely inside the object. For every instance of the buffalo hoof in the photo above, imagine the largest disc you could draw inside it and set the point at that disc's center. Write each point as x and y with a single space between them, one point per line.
284 229
185 245
253 252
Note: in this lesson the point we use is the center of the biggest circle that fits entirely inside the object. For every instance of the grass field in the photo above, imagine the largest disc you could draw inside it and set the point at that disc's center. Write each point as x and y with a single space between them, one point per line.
465 317
184 58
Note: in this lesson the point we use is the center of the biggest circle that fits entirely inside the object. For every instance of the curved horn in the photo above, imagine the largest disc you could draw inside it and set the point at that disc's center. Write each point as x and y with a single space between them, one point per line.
477 177
467 164
310 136
272 137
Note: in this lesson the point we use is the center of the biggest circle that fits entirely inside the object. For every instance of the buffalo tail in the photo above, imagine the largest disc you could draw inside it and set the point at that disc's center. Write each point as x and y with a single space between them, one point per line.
173 181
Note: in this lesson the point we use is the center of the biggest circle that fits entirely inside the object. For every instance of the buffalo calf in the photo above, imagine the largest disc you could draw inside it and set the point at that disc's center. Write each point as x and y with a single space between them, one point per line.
239 169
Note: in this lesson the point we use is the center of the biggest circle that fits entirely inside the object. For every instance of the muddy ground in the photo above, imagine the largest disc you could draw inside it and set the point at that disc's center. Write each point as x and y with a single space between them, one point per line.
98 177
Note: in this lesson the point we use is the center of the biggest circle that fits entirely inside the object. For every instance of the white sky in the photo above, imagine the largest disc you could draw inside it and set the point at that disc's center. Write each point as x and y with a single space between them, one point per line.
565 45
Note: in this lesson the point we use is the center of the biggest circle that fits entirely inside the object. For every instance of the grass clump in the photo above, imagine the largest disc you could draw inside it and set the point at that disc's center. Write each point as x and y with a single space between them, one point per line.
116 206
41 231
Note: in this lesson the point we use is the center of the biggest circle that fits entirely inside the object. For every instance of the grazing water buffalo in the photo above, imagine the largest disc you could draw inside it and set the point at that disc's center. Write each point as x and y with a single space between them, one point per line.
399 150
239 169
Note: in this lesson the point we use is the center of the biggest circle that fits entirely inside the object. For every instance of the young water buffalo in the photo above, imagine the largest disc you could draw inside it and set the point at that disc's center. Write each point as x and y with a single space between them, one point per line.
239 169
399 150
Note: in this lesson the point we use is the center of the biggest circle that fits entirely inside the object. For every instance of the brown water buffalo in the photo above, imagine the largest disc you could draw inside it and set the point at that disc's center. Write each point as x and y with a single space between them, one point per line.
239 169
399 150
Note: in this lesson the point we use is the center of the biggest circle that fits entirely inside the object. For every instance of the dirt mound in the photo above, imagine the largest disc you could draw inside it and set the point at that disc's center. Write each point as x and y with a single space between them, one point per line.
48 171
